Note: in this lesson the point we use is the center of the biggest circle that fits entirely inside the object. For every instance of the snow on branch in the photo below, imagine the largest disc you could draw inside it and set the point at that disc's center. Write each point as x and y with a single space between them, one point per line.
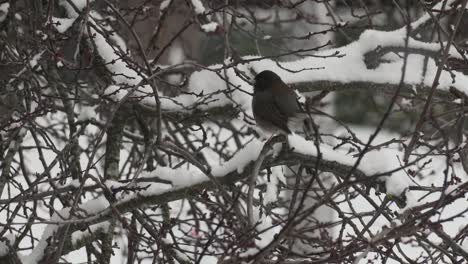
195 159
198 7
4 7
92 207
379 164
217 86
220 85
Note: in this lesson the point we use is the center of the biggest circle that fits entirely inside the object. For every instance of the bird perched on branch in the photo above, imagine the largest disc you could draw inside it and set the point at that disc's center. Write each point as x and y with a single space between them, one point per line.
275 105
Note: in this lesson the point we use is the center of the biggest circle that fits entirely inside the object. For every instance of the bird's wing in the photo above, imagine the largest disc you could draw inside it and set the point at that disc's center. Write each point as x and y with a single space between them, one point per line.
286 100
266 109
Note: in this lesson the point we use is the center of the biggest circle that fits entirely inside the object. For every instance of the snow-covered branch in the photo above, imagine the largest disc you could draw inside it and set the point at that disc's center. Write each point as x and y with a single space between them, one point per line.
348 64
128 132
379 167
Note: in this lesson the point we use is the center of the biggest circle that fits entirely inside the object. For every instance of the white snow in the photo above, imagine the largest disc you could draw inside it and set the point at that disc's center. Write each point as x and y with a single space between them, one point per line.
122 73
76 183
79 4
441 5
176 53
39 249
164 4
4 7
373 162
79 235
92 207
198 7
271 193
237 163
169 241
266 233
180 177
5 240
211 87
41 34
33 62
348 67
464 245
183 177
62 24
176 56
210 27
87 112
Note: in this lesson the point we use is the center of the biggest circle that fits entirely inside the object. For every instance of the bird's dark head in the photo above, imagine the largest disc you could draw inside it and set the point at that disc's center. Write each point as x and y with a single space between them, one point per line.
265 80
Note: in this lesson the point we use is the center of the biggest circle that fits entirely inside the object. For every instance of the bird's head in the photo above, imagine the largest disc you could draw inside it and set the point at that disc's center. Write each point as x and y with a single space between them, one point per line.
265 80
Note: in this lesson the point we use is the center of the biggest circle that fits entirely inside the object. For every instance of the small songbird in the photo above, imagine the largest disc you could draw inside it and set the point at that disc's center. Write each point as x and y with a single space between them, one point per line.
275 105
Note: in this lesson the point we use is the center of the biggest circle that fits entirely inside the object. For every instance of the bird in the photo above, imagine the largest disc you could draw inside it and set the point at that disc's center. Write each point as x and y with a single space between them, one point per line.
275 105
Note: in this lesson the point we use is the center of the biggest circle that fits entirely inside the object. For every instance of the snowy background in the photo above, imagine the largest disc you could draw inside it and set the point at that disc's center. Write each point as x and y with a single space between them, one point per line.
128 136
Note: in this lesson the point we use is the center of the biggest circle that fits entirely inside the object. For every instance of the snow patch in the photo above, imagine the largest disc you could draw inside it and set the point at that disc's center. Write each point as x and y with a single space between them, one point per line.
4 7
210 27
198 7
62 24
